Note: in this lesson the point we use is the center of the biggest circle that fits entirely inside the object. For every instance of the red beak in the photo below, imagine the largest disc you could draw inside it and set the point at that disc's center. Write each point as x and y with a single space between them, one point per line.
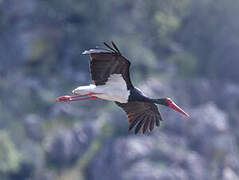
172 105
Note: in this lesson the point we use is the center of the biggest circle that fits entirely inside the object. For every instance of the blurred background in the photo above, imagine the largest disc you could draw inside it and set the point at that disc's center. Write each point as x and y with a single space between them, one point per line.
184 49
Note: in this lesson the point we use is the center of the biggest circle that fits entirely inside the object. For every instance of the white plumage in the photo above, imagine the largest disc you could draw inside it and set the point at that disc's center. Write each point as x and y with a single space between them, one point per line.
95 51
110 74
115 89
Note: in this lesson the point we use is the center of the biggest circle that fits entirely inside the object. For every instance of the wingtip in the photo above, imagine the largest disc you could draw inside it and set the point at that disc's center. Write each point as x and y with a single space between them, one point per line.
86 52
108 46
116 48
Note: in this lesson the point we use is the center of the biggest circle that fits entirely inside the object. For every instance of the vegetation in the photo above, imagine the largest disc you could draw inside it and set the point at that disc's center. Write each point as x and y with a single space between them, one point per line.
185 49
9 156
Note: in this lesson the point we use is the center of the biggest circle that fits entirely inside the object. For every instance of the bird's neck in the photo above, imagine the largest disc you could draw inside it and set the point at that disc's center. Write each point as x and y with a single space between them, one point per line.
161 101
136 94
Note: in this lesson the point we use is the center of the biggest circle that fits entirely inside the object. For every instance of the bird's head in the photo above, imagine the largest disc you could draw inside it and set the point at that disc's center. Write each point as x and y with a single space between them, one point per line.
169 103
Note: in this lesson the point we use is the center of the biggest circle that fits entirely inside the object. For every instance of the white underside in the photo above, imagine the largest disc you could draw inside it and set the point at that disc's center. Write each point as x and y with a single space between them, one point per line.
115 89
95 51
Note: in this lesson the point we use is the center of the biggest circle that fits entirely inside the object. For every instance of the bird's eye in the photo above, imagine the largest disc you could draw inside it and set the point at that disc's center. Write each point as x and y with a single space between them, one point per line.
168 101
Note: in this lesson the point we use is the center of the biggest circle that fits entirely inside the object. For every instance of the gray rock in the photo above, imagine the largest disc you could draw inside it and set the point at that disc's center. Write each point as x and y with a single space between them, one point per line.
145 158
229 174
33 127
208 129
146 170
116 157
67 145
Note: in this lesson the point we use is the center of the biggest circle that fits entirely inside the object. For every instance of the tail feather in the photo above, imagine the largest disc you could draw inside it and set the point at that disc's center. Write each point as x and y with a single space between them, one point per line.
81 90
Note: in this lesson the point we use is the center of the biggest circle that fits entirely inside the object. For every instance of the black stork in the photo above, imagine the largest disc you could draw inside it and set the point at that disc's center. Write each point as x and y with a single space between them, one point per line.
110 73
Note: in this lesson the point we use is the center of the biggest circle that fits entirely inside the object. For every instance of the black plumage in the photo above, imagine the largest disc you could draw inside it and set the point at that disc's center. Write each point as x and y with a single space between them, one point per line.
110 73
139 113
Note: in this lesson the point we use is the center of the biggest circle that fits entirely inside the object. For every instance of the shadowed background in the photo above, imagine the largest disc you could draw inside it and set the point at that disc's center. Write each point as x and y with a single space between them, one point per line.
184 49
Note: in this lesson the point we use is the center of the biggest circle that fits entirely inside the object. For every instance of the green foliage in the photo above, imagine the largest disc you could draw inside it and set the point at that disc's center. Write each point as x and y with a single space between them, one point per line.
107 128
210 32
39 49
9 156
169 15
168 23
87 157
186 63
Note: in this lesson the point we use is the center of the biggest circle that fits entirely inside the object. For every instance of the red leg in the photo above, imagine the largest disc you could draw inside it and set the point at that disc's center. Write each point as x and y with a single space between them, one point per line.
73 98
80 99
63 98
89 94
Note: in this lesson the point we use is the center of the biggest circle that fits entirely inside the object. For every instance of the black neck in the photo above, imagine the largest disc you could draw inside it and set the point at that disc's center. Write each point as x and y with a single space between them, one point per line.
161 101
137 95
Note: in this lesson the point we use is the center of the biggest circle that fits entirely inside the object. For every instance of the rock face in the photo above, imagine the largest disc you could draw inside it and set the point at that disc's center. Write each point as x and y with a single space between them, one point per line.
145 158
64 147
116 157
33 127
179 150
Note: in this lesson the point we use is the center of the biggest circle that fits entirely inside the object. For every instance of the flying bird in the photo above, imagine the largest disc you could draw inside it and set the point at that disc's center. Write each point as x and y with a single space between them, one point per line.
110 73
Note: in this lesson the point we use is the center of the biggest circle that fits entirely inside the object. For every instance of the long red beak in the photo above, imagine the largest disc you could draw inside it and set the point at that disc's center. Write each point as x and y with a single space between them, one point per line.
174 106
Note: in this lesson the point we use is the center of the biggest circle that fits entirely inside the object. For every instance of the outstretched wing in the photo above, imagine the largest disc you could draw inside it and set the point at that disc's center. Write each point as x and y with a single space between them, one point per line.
105 62
141 114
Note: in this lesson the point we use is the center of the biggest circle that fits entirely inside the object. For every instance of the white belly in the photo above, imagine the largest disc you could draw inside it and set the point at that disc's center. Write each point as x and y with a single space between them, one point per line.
115 89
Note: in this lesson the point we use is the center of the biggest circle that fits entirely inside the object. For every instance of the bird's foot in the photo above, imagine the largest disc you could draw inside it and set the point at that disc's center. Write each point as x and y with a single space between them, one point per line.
64 98
75 98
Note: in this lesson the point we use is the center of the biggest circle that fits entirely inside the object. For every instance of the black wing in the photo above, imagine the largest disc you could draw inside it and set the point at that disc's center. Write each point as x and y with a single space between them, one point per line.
141 114
105 62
